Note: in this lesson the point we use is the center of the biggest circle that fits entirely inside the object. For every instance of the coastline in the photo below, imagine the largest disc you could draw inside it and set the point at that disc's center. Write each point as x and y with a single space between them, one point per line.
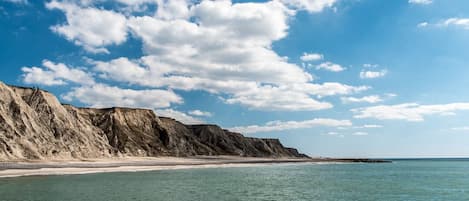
131 164
137 164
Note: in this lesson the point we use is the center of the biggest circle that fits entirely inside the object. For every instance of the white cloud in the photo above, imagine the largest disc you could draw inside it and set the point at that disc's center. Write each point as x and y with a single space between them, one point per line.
173 9
390 95
121 69
180 116
421 2
366 126
364 99
450 22
135 2
408 111
311 57
17 1
275 98
249 93
334 134
200 113
55 74
104 96
35 75
422 24
372 74
232 42
330 67
100 95
372 126
310 5
458 22
289 125
226 50
360 133
89 27
199 77
292 98
327 89
216 46
370 65
367 73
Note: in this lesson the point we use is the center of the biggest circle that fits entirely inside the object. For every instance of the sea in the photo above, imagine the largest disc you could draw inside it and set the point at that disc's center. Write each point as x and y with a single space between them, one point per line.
401 180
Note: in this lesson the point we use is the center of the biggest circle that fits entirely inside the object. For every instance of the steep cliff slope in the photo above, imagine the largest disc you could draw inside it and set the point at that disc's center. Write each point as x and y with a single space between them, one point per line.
35 125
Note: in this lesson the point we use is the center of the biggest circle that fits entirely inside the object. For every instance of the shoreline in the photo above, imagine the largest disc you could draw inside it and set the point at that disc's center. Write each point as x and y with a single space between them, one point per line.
66 167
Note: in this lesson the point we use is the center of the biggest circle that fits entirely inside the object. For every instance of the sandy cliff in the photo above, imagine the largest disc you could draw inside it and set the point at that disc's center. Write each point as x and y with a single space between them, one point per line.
35 125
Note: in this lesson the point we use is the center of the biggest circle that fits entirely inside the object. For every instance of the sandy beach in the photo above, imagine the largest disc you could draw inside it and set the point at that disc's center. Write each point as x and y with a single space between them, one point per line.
35 168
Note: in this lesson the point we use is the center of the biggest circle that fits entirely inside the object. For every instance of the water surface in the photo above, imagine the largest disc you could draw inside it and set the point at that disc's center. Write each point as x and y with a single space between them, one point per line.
411 180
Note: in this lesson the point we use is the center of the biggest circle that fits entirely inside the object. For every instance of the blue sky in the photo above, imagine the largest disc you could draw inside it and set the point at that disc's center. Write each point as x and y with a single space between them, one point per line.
337 78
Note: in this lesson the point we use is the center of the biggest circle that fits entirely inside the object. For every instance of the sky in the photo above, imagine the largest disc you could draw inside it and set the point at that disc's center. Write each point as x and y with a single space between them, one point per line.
333 78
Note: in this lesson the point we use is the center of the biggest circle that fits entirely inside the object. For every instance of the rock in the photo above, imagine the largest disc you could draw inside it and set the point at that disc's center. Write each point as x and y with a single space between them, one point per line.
35 125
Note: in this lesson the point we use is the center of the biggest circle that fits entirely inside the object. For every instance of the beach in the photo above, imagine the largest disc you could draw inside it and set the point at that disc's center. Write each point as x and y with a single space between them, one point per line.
136 164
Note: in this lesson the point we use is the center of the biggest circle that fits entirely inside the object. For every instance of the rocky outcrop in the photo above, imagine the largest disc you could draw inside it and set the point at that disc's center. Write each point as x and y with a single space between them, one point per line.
35 125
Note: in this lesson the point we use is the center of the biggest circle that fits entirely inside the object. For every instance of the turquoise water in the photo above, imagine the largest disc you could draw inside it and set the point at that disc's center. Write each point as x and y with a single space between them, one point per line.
401 180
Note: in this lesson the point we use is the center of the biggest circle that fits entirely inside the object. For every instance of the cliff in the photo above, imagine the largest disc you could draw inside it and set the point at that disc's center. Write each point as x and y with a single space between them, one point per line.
35 125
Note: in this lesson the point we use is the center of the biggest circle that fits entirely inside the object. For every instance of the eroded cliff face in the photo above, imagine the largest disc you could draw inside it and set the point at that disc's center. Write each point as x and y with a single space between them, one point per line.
35 125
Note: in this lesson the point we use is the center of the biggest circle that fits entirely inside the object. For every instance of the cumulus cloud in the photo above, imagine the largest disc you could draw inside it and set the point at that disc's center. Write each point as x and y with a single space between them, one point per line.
55 74
408 111
311 6
101 95
90 27
327 89
219 47
364 99
311 57
421 2
289 125
226 50
277 98
372 74
180 116
135 2
121 69
295 97
200 113
228 40
329 66
173 9
104 96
